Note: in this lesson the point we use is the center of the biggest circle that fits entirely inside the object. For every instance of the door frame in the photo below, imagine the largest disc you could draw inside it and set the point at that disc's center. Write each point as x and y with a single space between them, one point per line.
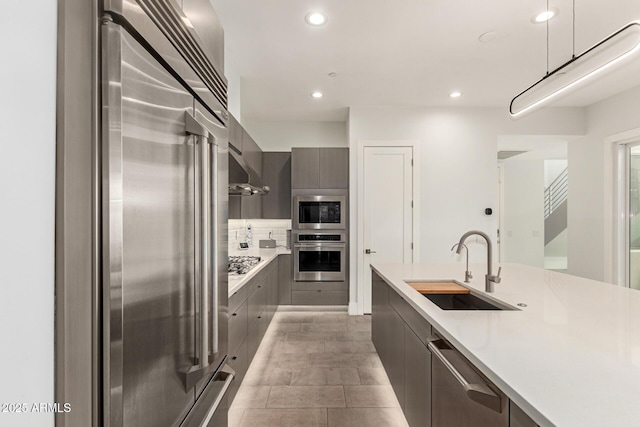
616 236
357 200
619 232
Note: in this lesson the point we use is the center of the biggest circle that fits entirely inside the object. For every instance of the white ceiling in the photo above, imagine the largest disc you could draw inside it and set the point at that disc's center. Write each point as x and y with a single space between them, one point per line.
407 52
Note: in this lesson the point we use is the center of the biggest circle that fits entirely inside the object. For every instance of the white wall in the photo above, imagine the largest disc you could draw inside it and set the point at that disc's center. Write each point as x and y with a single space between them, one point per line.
458 166
552 169
281 136
523 235
590 211
27 179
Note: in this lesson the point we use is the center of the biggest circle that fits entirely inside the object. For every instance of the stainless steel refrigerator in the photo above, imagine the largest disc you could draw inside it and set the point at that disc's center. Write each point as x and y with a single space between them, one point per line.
164 168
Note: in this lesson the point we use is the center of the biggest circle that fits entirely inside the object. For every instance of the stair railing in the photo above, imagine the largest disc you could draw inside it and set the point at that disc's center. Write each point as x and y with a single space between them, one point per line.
556 193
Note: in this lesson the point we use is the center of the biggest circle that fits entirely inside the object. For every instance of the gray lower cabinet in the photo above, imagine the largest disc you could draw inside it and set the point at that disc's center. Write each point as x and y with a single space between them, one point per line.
417 380
453 406
319 293
251 308
239 362
285 271
518 418
395 340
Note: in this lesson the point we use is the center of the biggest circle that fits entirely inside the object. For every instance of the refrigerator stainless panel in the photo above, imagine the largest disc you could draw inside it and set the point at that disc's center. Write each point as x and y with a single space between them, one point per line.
149 237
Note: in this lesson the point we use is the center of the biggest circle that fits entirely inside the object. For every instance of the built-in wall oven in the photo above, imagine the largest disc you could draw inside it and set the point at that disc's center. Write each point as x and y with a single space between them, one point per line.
319 212
320 257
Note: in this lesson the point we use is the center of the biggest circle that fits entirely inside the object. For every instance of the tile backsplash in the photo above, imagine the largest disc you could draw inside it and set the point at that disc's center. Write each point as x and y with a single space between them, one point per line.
260 229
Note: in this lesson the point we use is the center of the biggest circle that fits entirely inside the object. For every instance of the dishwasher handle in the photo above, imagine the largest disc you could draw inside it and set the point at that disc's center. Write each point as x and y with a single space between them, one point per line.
478 392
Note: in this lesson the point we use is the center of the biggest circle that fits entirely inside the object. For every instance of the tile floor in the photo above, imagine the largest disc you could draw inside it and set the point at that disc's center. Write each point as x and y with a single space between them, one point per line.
316 369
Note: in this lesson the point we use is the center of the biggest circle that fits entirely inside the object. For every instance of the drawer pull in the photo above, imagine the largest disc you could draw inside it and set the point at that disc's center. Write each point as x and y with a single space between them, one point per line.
259 317
234 358
234 314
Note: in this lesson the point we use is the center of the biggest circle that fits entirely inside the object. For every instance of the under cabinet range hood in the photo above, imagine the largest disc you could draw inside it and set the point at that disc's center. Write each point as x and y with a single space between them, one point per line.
243 179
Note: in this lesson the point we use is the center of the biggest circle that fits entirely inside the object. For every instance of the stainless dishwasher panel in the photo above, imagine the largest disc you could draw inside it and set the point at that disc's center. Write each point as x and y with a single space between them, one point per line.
461 396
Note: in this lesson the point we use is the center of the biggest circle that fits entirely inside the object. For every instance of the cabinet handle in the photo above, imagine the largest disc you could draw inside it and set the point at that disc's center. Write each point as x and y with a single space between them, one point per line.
480 393
259 317
234 314
234 358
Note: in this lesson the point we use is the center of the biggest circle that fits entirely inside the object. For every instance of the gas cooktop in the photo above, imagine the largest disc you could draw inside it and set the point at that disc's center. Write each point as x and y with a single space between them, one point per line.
242 264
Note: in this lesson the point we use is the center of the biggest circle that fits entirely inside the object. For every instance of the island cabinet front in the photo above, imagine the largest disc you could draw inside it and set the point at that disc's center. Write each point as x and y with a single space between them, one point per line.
401 345
435 385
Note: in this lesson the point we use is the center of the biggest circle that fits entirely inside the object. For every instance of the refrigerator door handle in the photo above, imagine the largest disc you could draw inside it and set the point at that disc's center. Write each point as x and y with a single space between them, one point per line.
203 219
214 243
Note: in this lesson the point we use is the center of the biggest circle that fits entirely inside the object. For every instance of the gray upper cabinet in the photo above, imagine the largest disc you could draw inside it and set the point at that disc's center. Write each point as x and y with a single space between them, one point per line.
251 153
305 168
235 133
276 173
326 168
334 168
247 207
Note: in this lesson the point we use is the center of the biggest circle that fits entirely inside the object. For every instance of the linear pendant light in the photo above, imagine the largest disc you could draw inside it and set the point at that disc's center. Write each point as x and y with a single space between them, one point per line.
598 58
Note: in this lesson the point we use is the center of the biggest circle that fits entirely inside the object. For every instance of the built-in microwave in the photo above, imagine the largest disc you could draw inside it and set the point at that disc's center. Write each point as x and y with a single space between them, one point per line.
319 212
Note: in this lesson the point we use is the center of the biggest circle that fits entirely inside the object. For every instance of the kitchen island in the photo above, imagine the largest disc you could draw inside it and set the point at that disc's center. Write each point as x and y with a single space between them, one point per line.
568 354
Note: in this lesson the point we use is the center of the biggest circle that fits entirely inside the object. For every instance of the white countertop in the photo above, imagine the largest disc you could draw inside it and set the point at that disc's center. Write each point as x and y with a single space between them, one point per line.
266 255
570 358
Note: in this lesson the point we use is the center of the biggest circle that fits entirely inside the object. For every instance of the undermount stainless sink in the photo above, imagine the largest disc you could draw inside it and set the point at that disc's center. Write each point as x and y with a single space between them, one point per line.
465 302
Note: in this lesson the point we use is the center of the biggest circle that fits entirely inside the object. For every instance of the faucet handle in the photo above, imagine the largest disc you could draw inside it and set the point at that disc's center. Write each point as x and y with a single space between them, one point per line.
496 278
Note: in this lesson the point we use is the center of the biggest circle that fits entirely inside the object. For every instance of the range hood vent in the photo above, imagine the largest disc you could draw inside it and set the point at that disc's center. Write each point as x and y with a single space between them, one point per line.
243 179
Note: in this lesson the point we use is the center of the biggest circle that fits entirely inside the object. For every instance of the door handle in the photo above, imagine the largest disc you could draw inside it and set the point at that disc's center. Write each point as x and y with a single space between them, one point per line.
480 393
369 251
202 190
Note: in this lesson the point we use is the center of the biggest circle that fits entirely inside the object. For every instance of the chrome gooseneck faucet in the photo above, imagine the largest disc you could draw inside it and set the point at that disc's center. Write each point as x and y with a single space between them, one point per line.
467 274
489 279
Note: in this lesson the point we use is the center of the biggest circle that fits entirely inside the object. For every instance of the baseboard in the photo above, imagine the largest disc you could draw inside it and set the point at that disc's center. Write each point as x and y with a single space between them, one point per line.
336 308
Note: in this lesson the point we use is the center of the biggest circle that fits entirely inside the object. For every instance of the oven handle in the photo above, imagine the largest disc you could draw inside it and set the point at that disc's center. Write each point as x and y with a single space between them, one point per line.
320 245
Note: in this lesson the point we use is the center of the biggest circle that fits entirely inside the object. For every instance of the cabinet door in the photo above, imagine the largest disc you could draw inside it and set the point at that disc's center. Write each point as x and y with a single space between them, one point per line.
305 168
276 173
235 133
451 406
417 380
239 363
285 273
395 354
238 327
273 291
379 304
334 168
517 417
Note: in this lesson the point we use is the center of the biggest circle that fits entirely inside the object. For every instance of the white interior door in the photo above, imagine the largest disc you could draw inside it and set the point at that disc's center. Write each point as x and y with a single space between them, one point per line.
387 215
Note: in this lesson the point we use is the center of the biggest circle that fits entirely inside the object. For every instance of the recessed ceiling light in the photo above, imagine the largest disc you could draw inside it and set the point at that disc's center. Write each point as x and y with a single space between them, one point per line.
545 16
317 94
315 18
455 94
488 36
